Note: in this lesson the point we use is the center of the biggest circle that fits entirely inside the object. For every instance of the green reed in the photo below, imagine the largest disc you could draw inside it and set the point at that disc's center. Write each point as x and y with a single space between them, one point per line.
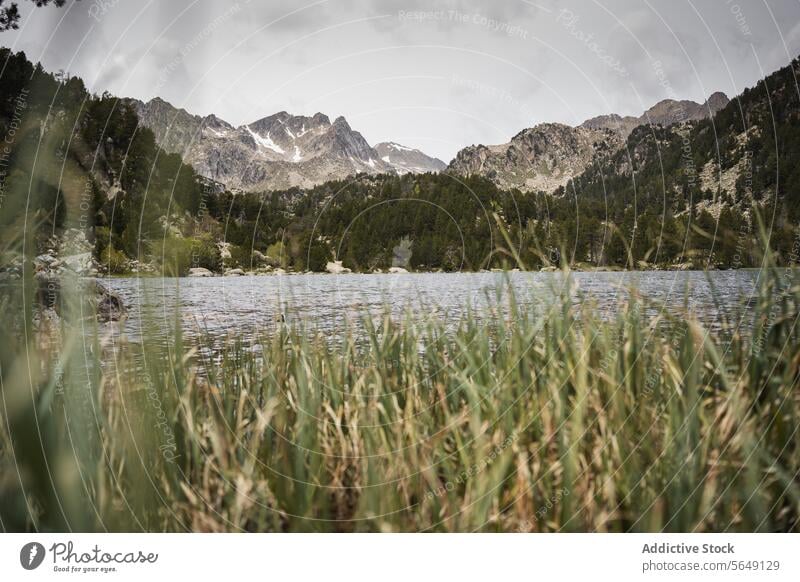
557 421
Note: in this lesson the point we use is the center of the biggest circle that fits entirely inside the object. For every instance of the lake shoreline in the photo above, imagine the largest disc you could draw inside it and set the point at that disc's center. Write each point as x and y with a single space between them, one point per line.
156 275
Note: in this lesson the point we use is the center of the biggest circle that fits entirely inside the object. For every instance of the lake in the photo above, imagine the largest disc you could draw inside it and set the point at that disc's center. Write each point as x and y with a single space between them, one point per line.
218 307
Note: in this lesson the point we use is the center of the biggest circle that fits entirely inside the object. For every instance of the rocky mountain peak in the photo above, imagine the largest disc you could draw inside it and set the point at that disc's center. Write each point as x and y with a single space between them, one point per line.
716 101
614 122
407 160
548 155
215 122
341 122
542 157
321 119
275 152
669 111
665 112
266 124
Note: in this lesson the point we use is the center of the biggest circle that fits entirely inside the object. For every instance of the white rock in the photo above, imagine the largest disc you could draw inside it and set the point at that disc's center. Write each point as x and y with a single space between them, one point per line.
81 264
224 250
397 270
336 268
46 259
200 272
234 273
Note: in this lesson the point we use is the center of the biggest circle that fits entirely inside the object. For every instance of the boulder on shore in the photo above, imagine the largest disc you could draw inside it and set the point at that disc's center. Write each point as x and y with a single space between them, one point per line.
83 264
336 268
110 306
200 272
397 270
234 273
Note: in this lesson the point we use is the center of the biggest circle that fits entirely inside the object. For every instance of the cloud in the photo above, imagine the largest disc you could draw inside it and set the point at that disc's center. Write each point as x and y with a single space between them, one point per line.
459 72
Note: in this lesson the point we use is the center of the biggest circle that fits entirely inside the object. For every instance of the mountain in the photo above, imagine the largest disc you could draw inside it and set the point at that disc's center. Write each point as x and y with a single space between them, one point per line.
540 158
676 196
406 160
282 151
728 161
666 112
549 155
276 152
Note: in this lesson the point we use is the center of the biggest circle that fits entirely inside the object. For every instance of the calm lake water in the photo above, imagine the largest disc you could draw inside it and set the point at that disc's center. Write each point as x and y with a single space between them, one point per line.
218 307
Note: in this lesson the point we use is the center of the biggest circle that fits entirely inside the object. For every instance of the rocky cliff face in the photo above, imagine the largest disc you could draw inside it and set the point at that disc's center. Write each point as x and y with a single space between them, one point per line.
540 158
666 112
548 155
276 152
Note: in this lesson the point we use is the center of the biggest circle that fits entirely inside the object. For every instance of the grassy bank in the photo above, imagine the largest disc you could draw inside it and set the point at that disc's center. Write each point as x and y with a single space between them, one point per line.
561 422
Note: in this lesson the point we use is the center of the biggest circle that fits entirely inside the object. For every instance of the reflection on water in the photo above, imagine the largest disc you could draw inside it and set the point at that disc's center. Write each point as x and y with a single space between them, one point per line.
219 307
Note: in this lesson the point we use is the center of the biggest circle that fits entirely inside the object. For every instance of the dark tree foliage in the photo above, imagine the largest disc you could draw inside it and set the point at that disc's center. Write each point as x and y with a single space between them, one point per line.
654 183
9 12
90 164
647 203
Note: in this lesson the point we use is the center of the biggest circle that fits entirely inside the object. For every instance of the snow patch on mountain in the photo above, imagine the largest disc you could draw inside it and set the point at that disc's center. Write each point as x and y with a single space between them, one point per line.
265 142
397 146
406 160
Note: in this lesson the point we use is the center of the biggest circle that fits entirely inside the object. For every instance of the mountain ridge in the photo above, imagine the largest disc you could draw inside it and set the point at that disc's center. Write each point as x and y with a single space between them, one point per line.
283 150
548 155
278 151
653 202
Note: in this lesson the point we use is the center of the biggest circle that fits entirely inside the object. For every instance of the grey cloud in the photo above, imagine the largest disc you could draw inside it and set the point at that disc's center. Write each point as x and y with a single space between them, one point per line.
480 79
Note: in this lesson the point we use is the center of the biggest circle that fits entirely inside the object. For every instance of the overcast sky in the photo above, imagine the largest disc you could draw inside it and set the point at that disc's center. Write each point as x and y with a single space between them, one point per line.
433 75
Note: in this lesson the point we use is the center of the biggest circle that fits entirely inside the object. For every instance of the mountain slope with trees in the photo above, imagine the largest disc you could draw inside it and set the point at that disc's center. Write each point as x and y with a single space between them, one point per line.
673 196
79 162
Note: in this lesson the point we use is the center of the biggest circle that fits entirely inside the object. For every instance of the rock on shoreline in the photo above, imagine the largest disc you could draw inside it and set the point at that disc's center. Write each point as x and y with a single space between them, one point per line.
106 304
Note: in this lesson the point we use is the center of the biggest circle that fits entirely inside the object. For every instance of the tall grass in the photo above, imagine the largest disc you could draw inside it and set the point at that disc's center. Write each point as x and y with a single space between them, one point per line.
563 421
